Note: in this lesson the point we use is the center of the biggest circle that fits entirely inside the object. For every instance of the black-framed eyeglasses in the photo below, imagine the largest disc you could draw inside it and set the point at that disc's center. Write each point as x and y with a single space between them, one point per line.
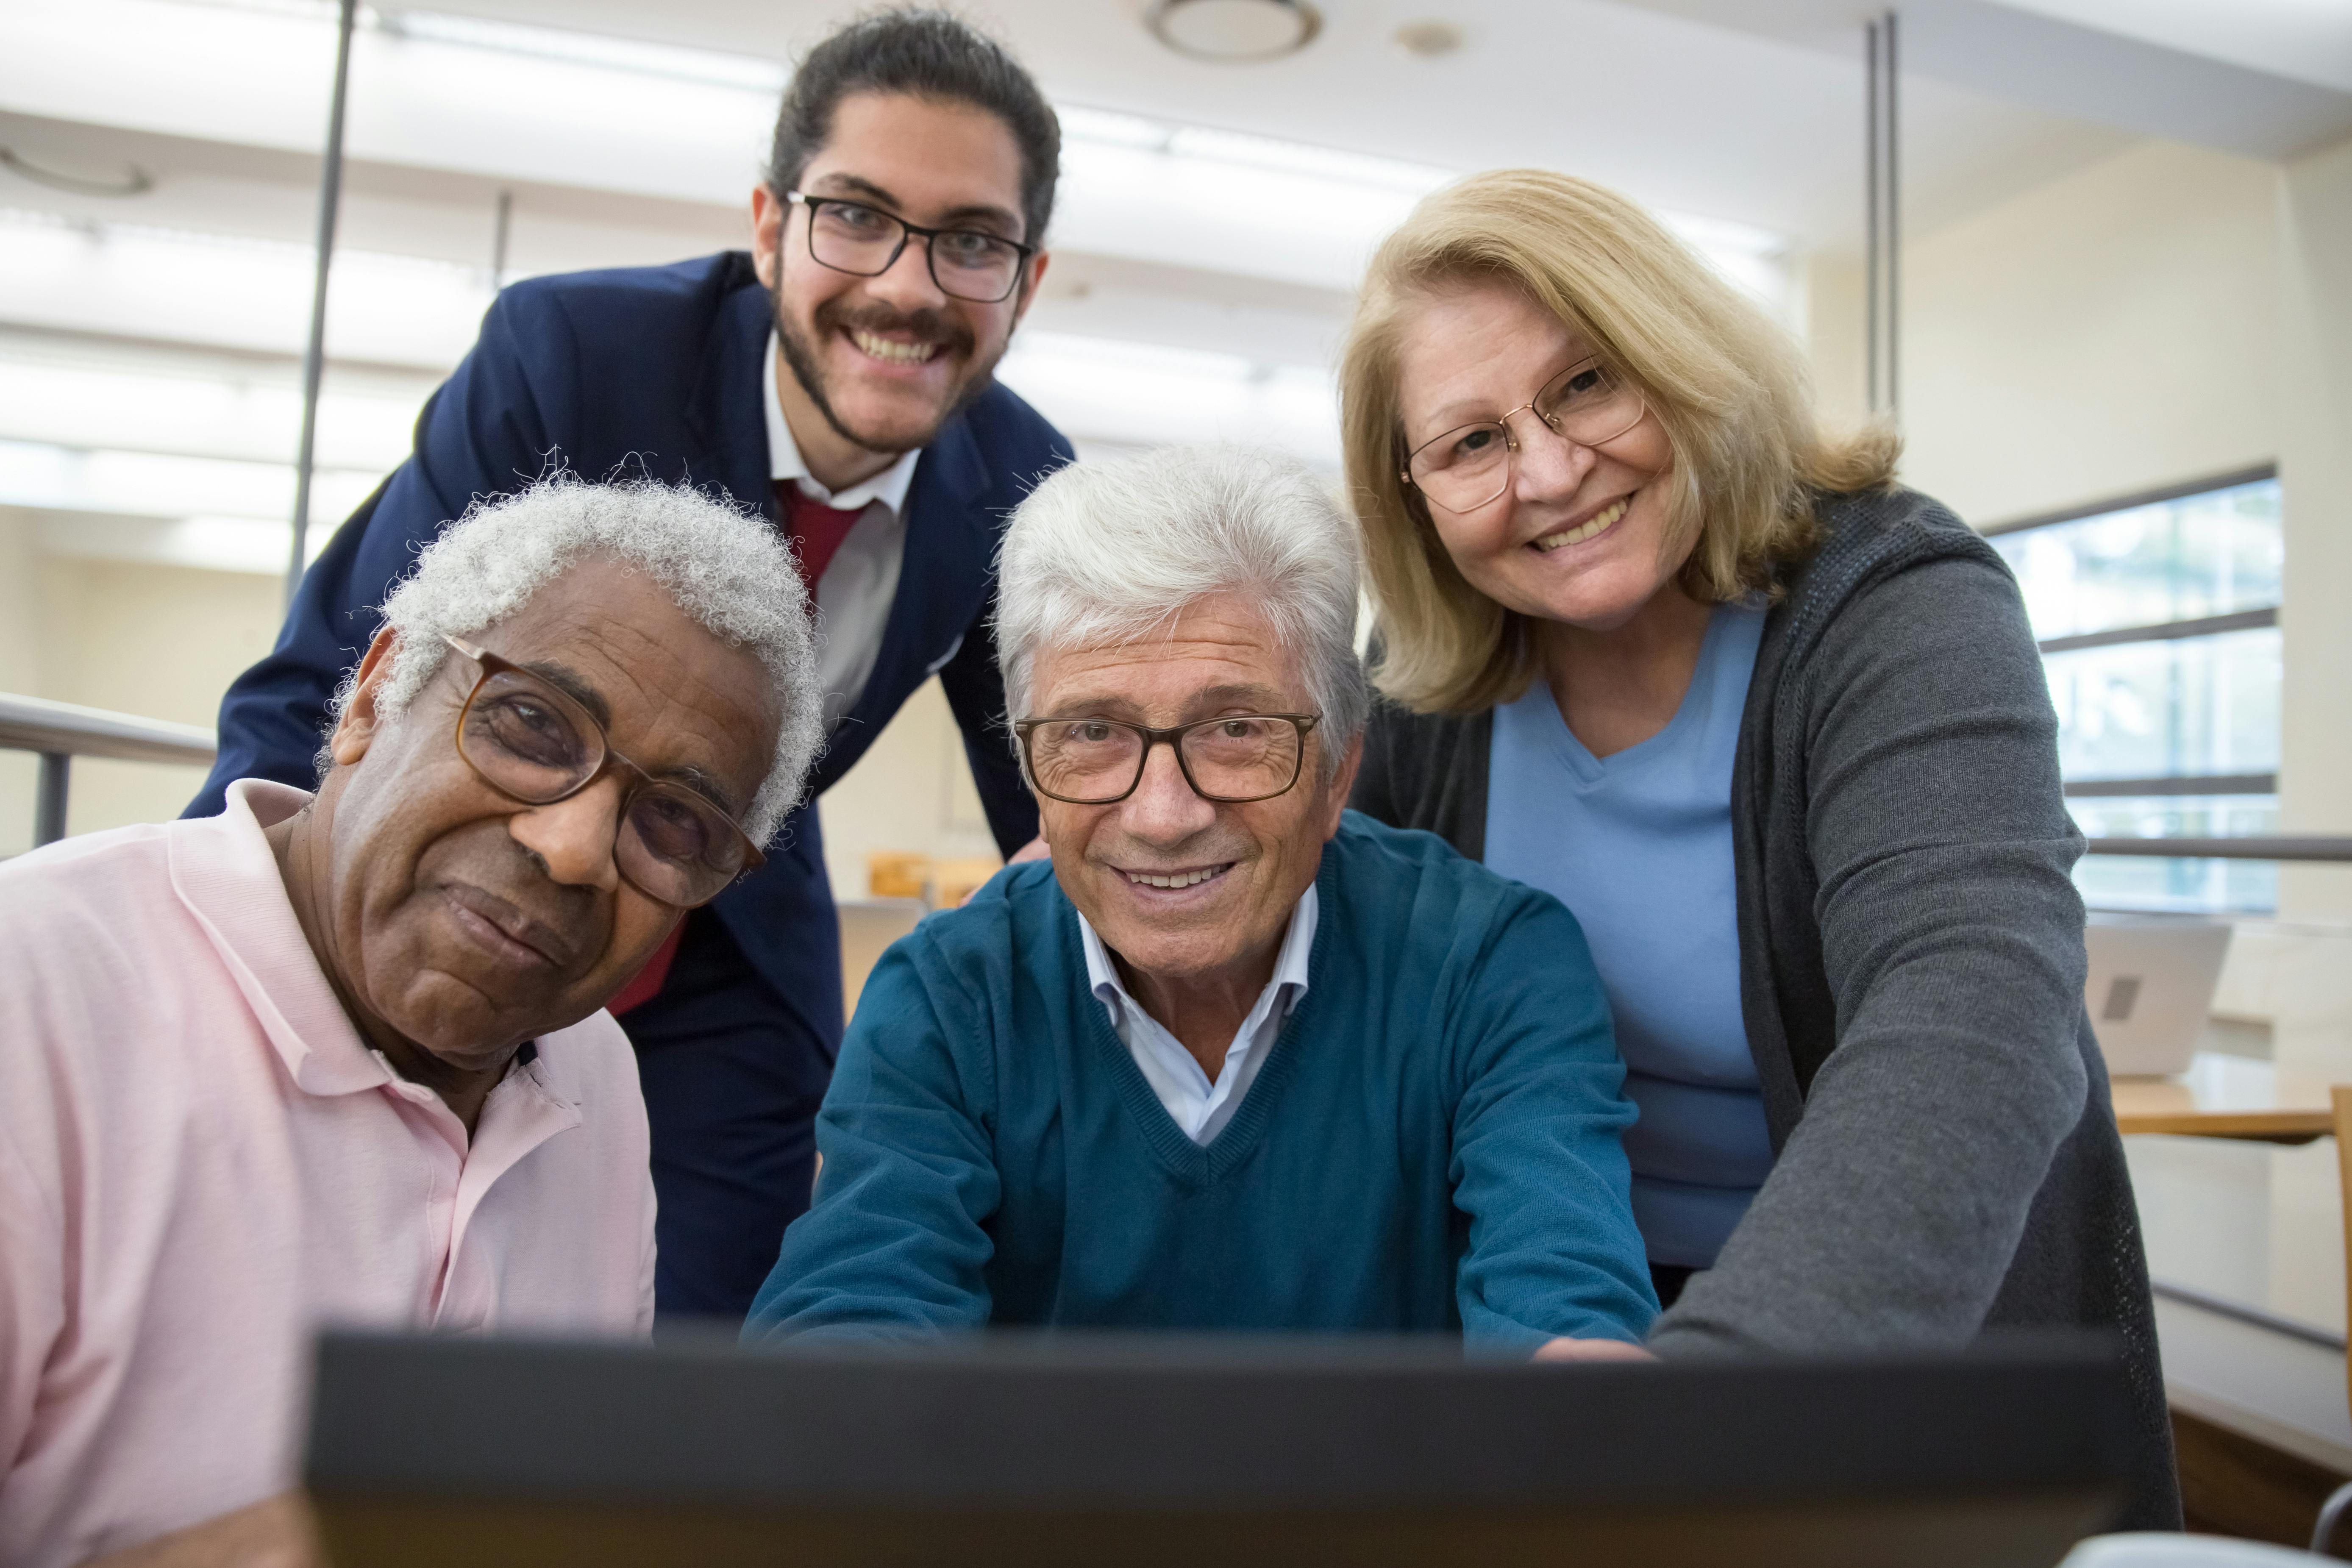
534 743
1233 759
1470 465
863 240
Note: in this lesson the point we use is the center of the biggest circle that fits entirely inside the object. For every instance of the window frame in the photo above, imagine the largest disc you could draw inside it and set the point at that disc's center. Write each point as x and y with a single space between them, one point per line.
2178 786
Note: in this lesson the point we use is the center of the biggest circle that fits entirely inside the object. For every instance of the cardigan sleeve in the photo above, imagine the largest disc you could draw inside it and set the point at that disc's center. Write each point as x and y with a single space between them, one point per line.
1427 771
893 1247
1538 1167
1951 938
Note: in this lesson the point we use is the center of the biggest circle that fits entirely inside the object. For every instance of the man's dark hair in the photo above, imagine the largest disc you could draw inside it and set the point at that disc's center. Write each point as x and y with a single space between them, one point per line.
922 54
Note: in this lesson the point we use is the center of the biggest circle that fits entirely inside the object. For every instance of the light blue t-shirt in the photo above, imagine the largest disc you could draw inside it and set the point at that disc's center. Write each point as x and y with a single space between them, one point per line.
1638 846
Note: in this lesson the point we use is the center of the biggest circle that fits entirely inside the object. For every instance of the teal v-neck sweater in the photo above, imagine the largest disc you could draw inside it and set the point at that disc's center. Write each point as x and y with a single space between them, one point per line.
1432 1145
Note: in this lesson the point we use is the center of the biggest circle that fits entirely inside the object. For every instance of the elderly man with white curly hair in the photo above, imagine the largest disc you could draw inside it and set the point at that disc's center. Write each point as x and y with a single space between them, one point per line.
1238 1058
341 1058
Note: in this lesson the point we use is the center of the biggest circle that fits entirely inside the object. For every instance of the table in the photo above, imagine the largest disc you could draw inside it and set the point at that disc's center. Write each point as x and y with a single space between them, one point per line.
2227 1096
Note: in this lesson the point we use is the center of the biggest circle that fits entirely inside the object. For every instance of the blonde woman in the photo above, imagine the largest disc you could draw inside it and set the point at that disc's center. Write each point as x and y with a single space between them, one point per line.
1774 727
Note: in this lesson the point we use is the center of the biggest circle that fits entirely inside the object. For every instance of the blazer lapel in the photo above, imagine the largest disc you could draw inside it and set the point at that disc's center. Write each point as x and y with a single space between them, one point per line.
728 413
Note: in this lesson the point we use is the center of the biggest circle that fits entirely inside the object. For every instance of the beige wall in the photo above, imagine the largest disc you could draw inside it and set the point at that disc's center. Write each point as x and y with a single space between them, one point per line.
1835 308
2315 237
163 642
2164 315
20 666
911 791
2110 332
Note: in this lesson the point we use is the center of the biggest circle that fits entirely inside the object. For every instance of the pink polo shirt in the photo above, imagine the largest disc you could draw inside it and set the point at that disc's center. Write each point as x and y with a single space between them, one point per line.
201 1163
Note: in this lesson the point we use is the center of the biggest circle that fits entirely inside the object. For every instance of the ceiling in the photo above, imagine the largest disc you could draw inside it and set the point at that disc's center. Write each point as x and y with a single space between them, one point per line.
2262 78
1682 111
1193 296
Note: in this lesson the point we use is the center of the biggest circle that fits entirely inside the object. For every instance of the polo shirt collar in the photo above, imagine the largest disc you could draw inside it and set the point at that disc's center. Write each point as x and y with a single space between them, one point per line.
1289 964
226 877
888 487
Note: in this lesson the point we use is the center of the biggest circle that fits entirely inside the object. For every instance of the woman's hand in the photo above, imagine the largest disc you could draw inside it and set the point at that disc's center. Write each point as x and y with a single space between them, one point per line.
1567 1349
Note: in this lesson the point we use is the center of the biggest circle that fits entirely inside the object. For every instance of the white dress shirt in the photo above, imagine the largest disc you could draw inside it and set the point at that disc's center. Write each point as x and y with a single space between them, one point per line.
1201 1108
853 597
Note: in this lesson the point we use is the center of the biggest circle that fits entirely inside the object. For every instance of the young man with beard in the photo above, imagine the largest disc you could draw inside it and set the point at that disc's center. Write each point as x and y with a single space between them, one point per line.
839 377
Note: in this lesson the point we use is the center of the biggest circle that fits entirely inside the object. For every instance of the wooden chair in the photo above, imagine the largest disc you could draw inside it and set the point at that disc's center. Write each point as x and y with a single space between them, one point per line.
2331 1514
2245 1101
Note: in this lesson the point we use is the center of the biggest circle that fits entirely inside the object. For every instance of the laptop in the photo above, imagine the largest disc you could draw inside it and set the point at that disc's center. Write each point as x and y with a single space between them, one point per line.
2150 987
1063 1450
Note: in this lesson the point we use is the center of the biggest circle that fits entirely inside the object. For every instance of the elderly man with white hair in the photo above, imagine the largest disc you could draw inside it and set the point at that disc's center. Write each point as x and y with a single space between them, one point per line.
340 1057
1238 1059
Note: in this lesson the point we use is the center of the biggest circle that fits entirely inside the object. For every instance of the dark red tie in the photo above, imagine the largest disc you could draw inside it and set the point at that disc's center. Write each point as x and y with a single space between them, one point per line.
816 527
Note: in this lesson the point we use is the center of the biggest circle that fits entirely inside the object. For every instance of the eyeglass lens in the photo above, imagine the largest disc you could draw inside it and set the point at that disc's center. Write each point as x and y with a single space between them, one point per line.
1092 762
531 741
1467 467
966 263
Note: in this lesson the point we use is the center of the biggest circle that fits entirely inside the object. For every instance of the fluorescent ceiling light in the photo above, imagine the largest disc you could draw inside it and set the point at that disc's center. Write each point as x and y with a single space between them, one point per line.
1718 236
210 543
50 477
512 101
1112 128
1302 158
1112 356
1144 394
720 67
255 418
746 72
1079 122
134 280
297 10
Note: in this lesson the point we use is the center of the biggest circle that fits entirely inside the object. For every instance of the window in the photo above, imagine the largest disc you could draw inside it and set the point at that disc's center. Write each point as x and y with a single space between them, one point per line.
2159 624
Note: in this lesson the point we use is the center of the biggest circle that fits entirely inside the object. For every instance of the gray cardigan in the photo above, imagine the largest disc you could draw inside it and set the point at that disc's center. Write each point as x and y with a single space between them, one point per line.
1911 972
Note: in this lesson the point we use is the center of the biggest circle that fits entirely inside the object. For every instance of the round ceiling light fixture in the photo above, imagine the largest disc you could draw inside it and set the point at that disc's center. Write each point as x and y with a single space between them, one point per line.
1232 31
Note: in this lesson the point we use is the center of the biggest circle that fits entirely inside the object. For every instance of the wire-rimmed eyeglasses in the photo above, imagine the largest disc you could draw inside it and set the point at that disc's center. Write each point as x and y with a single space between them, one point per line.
1235 759
860 238
1470 465
532 741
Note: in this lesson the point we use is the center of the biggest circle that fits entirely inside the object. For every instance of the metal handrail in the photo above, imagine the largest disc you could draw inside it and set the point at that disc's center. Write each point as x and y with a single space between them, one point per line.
61 732
2248 846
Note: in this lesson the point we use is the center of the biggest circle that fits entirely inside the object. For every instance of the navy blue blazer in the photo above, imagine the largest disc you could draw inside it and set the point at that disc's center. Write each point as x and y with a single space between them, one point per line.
657 370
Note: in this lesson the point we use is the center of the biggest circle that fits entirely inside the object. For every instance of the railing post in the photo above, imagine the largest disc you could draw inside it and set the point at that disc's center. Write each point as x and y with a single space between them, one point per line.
50 805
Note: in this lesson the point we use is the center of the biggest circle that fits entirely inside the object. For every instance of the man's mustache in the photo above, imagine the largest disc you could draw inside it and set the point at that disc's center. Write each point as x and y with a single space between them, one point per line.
923 326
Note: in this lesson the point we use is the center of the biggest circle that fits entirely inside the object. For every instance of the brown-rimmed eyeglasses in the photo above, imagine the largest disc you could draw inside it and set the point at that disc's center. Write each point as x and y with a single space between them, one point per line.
1233 759
1470 465
532 741
861 239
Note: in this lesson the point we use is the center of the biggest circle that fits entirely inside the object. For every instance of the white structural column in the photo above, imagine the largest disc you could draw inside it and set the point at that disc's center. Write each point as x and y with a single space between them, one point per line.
1882 215
2316 475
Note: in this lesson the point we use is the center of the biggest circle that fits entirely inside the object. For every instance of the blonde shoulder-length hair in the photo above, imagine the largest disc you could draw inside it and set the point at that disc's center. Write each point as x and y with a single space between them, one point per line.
1724 382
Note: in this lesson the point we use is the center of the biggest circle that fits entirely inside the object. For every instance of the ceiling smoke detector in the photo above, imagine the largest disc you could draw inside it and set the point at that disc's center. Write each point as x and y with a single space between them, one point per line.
1233 30
1429 40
